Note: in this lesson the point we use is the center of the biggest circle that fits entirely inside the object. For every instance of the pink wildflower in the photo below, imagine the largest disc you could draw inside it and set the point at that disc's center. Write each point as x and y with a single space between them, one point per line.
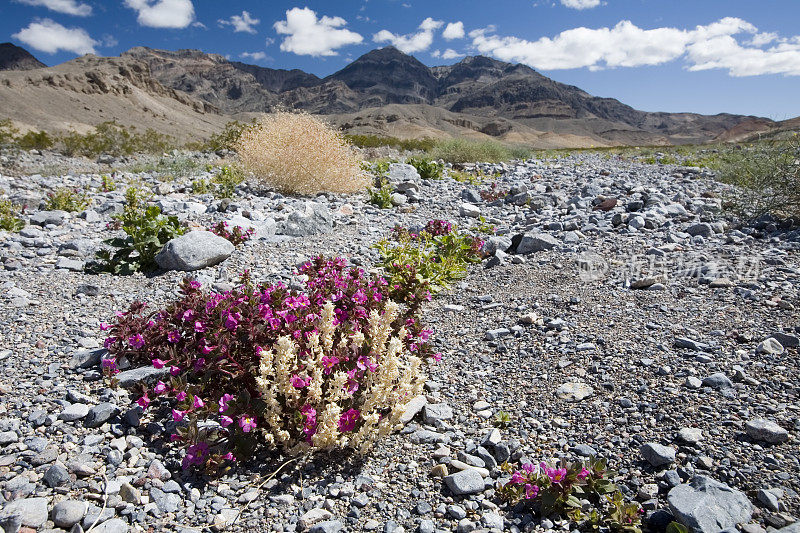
298 382
223 402
136 341
143 402
531 491
225 421
160 388
177 415
198 402
158 363
347 422
174 336
247 423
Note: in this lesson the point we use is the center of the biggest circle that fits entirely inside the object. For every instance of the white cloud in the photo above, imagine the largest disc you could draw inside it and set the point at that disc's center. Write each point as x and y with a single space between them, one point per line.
454 30
70 7
241 23
308 35
163 13
581 4
415 42
255 56
625 45
50 37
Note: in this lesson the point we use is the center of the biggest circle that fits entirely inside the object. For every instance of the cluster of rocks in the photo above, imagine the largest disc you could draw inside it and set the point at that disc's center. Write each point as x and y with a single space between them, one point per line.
612 317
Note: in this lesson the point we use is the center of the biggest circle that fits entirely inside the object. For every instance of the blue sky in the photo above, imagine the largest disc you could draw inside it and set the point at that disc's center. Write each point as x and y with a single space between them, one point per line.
705 56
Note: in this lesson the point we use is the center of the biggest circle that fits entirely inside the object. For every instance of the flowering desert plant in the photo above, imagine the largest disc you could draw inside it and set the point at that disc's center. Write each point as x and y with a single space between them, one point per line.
330 367
420 262
299 153
237 235
582 492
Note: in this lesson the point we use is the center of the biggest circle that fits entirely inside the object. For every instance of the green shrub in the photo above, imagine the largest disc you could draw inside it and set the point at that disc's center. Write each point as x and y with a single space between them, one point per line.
201 186
116 140
64 199
35 140
427 168
469 151
427 261
107 184
381 194
226 179
767 177
9 216
376 141
560 491
146 230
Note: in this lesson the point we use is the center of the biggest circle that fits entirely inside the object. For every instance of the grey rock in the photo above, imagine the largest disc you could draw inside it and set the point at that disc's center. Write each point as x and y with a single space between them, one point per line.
56 476
536 242
313 219
328 526
70 264
467 481
718 381
115 525
469 210
656 454
574 392
86 359
413 407
100 414
8 437
402 172
708 506
130 494
683 342
787 341
769 500
74 411
434 412
193 251
770 346
30 512
703 229
143 374
764 430
68 513
167 503
492 520
44 218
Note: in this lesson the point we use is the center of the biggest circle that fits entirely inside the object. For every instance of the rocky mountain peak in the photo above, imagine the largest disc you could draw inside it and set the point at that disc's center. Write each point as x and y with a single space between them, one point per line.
13 57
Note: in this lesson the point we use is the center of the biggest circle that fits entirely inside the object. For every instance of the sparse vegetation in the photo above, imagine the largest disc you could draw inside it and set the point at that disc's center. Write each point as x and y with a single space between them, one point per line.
469 151
65 199
8 131
381 194
375 141
147 231
427 168
228 138
299 153
767 176
226 179
35 140
9 216
107 184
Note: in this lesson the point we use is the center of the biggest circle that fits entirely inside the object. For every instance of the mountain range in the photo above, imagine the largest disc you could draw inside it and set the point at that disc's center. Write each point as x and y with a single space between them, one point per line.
189 93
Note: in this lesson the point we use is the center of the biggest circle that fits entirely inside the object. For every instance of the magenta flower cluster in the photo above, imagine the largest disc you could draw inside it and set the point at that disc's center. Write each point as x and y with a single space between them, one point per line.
211 345
236 236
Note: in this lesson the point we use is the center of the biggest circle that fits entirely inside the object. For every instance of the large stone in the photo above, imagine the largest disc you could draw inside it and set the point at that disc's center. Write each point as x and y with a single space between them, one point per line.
536 242
708 506
770 346
73 412
717 381
193 251
413 407
469 210
657 454
100 414
574 392
56 476
68 513
115 525
702 229
86 358
434 412
402 172
143 374
761 429
44 218
467 481
312 219
30 512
